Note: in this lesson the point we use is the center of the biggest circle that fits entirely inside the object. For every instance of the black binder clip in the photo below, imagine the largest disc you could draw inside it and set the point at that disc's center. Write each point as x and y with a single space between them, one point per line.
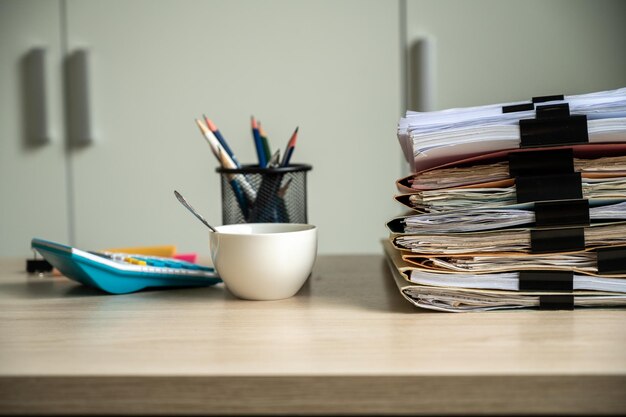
548 187
542 162
514 108
611 260
562 213
556 302
557 240
37 266
553 126
546 281
543 99
552 111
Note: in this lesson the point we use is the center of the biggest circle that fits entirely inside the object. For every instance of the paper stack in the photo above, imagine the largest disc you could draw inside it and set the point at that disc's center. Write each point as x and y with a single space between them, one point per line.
514 205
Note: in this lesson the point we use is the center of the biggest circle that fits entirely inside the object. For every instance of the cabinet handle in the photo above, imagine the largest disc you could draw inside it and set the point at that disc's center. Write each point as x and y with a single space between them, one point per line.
35 100
423 74
78 103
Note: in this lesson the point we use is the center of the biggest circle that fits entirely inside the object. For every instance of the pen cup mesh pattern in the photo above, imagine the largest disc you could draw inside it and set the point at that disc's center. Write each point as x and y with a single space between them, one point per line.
271 195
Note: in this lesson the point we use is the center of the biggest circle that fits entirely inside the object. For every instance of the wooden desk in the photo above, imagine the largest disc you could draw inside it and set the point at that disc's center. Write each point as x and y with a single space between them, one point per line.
347 343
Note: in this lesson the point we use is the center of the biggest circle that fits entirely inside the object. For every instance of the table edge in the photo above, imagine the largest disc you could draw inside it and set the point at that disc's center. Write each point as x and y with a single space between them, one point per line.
375 394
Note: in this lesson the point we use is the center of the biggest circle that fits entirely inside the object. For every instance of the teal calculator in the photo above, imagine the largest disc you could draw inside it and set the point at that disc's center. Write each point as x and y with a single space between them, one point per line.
117 273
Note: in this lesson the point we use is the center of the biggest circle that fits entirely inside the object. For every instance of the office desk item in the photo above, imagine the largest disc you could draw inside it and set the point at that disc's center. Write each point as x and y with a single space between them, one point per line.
241 189
190 257
599 104
264 261
210 138
221 139
524 189
193 211
265 142
260 193
244 192
291 145
514 206
38 266
527 214
164 251
121 273
258 143
496 169
538 289
347 343
429 139
281 194
517 240
435 150
274 161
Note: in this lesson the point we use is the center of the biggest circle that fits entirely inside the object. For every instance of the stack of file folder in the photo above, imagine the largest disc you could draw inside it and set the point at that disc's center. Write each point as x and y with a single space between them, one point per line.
516 205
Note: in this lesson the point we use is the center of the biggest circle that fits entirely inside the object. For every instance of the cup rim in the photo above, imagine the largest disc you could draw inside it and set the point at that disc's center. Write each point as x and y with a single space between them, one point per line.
275 229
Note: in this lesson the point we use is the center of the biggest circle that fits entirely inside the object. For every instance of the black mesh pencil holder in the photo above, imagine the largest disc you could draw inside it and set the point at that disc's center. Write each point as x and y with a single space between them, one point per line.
270 195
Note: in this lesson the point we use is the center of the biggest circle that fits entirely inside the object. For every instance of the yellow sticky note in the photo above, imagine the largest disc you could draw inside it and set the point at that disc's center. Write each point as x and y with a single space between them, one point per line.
165 251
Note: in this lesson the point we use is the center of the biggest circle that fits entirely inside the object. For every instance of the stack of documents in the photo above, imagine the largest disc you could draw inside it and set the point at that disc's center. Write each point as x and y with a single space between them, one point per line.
515 205
496 291
429 139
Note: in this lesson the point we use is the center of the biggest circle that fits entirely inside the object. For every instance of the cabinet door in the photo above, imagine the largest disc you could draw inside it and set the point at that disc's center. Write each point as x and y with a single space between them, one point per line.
490 51
329 67
33 192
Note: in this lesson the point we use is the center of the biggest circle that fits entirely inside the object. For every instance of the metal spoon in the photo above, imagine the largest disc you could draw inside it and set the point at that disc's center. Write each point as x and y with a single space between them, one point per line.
191 209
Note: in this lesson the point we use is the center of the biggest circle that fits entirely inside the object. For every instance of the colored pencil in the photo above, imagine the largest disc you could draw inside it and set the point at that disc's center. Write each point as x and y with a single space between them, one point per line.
239 185
258 143
240 178
290 147
264 141
221 140
224 159
209 137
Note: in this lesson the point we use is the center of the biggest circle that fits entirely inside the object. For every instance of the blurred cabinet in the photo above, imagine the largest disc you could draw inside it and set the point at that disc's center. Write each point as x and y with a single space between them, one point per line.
34 197
148 68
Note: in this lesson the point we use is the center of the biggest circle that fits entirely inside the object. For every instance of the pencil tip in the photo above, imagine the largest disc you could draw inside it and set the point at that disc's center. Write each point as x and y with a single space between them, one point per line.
294 136
210 123
202 127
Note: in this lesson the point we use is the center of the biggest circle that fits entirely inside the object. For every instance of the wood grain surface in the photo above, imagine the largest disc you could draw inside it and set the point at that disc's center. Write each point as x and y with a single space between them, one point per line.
347 343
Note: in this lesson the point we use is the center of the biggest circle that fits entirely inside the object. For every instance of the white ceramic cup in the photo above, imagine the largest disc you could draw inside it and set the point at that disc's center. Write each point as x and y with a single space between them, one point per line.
264 261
